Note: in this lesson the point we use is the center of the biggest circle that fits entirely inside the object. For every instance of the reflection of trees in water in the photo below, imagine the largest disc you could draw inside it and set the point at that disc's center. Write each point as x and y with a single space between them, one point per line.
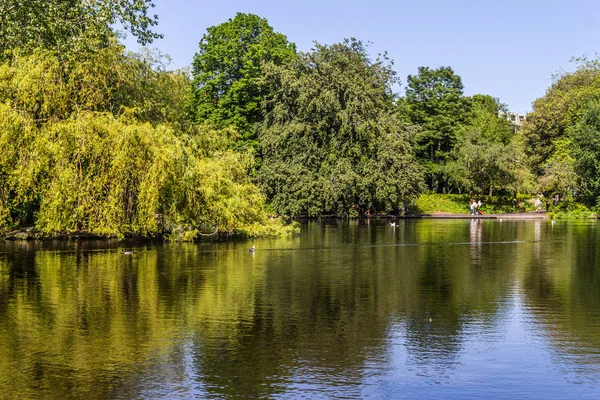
562 292
455 285
17 273
327 310
79 323
95 323
315 311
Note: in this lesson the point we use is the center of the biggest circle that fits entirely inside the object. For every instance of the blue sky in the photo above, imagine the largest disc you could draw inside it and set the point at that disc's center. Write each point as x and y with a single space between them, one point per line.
506 48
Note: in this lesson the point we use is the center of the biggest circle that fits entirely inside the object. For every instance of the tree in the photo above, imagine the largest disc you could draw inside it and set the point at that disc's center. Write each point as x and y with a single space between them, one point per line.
435 102
585 144
487 155
227 70
48 88
488 165
559 109
77 153
72 25
331 138
488 104
558 174
155 93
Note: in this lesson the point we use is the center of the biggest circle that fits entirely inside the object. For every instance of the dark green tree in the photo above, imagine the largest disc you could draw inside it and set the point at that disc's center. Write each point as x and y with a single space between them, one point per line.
585 141
332 140
558 110
435 101
227 69
72 25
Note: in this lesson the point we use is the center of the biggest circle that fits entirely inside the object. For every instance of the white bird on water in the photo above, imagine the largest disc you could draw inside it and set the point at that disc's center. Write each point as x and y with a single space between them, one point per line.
251 250
393 224
553 222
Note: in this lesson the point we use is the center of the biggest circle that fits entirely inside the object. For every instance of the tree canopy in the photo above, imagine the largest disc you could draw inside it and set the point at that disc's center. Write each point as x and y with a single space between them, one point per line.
488 155
435 101
560 108
561 132
102 150
48 88
332 140
227 71
254 126
72 25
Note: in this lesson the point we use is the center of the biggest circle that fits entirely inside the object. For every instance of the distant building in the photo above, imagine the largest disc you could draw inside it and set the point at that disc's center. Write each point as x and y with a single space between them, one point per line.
516 119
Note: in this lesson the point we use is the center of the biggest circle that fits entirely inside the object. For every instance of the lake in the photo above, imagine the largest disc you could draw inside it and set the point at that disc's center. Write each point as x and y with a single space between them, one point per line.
428 309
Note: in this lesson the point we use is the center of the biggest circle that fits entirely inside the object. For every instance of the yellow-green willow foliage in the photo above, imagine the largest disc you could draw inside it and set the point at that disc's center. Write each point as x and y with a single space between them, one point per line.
116 176
98 144
48 88
16 132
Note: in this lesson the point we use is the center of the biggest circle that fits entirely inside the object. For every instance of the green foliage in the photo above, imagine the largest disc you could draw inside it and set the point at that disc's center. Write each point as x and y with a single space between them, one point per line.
16 132
227 70
331 138
71 26
585 139
109 176
69 166
50 89
569 209
488 156
488 104
562 135
154 93
442 203
435 102
559 175
559 109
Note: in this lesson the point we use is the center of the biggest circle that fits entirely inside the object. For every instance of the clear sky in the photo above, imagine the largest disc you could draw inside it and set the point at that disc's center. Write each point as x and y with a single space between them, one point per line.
506 48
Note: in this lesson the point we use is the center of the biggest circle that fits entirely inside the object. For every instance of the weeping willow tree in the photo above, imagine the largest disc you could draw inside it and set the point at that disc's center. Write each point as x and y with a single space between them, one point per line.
68 27
118 176
16 133
41 85
96 145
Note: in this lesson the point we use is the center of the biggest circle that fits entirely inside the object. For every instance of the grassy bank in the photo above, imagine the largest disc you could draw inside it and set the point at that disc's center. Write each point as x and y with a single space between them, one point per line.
459 204
571 210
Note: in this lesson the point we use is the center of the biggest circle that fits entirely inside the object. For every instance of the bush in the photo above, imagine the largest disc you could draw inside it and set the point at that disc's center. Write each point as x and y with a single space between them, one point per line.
569 209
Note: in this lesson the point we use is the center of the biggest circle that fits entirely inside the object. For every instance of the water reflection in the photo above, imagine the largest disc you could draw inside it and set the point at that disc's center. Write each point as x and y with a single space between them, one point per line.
476 231
432 308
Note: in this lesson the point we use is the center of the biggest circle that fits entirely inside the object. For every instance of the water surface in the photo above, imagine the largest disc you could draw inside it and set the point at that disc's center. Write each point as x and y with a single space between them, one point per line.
428 309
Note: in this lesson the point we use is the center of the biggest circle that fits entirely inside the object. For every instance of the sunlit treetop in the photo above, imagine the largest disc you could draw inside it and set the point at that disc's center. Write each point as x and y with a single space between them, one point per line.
72 25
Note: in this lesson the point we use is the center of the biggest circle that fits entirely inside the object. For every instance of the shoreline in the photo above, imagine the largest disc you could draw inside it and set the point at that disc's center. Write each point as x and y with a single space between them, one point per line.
511 216
30 233
443 215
